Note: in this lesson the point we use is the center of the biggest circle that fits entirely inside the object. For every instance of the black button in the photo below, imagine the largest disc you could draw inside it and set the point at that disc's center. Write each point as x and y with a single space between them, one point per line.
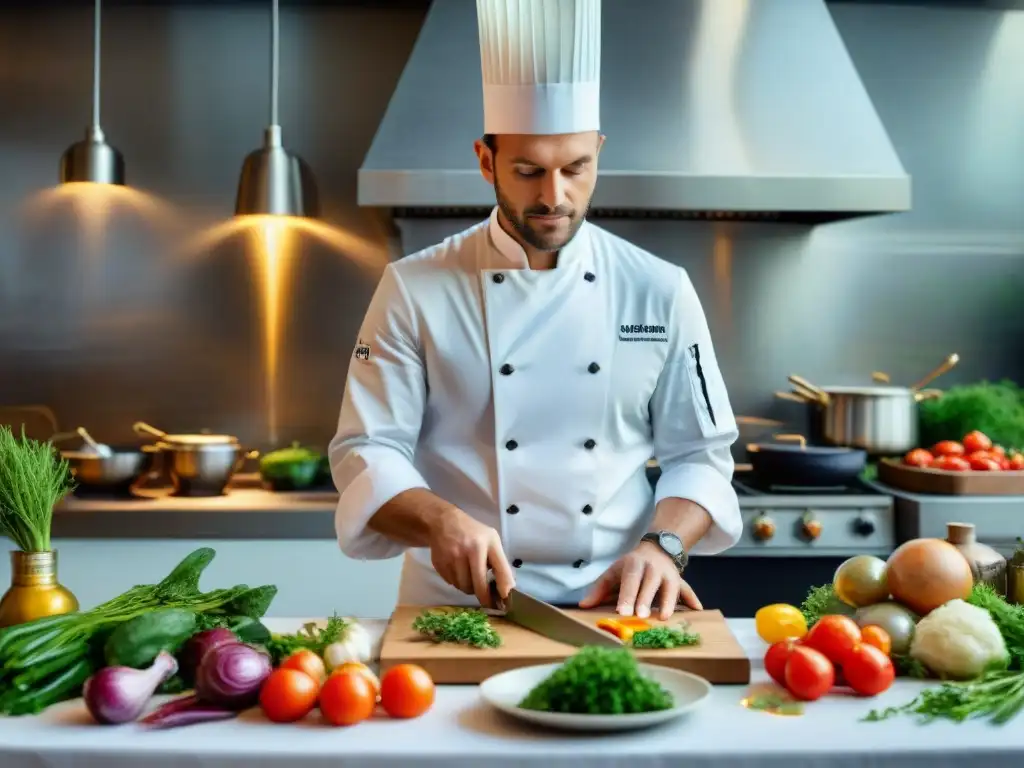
511 445
587 509
506 369
513 509
589 277
593 367
578 564
517 563
498 278
589 445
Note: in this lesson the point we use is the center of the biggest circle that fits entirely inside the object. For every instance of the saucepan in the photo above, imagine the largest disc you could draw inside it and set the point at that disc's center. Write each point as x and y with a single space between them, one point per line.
199 464
103 469
792 462
879 419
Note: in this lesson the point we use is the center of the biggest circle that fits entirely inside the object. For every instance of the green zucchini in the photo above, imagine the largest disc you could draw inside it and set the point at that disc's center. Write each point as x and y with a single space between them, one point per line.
138 641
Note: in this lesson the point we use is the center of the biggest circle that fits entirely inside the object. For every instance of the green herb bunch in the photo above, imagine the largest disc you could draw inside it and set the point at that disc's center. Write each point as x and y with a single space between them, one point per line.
598 681
997 696
310 637
33 479
465 626
665 637
995 408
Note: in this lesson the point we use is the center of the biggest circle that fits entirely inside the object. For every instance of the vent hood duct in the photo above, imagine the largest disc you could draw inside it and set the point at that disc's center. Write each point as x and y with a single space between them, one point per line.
747 109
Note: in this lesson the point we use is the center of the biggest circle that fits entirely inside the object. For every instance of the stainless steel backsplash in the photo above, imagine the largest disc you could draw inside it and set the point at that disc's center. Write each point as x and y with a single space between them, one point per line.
141 319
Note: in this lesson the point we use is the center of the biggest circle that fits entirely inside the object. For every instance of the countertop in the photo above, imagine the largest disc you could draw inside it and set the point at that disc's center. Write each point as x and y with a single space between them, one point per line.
460 730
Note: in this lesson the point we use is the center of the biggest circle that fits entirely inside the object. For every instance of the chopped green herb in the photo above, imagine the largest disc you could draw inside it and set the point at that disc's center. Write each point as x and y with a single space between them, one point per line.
465 626
598 681
822 601
666 637
996 696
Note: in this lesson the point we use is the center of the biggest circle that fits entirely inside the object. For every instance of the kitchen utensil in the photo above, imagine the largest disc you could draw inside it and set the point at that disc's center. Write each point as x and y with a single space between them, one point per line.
876 418
757 421
203 470
99 448
504 692
196 439
794 397
808 390
804 465
547 620
880 377
719 658
896 474
115 474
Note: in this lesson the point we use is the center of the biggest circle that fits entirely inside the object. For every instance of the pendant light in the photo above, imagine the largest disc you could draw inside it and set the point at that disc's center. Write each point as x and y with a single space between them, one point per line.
274 181
92 159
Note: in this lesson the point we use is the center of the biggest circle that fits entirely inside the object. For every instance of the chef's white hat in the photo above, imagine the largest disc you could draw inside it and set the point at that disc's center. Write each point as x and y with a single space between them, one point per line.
541 64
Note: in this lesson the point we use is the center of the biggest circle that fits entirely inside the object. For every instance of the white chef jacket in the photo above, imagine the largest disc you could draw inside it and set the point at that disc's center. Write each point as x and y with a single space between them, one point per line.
532 400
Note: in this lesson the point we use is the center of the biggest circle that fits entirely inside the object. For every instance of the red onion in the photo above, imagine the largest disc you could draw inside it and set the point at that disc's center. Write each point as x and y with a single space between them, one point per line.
187 711
198 646
119 694
231 675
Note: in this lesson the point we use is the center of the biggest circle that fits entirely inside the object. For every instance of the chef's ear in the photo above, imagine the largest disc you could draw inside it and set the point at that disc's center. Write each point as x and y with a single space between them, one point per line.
485 148
600 141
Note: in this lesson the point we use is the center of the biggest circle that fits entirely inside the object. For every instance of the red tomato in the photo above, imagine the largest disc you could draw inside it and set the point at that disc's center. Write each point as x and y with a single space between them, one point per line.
951 463
288 695
1004 463
976 441
834 636
347 698
809 675
306 661
918 457
948 448
998 450
1017 462
406 691
775 659
985 464
868 671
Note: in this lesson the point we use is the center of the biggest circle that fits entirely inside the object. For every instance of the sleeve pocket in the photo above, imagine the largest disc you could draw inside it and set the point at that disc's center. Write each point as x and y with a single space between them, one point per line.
710 399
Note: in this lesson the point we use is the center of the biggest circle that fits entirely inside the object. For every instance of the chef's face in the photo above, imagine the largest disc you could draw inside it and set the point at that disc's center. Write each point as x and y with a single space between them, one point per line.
543 184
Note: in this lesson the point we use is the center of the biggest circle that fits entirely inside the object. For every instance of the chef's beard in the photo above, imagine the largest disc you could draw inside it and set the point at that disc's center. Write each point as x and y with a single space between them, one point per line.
531 236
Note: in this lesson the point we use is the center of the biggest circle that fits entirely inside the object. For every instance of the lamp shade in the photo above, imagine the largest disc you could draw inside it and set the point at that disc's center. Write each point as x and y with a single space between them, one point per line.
276 182
92 160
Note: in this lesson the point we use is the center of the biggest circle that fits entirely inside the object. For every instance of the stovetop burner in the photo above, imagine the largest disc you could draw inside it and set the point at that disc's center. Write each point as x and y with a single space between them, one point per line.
746 484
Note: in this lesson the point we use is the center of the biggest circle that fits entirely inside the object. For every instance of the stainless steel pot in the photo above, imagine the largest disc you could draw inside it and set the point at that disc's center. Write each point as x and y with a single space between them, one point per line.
877 419
115 474
203 470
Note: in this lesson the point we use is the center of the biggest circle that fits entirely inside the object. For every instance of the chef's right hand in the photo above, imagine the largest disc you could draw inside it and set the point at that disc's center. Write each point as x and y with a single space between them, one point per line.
462 551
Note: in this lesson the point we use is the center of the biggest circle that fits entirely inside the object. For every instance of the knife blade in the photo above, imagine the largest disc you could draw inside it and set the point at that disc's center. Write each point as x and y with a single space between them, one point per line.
553 623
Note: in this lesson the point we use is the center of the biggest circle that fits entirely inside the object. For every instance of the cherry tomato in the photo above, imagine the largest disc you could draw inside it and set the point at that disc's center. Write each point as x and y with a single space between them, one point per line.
868 671
918 457
362 669
288 695
406 691
948 448
1017 462
878 637
976 441
985 464
779 621
775 659
306 661
951 463
834 636
347 698
998 450
809 675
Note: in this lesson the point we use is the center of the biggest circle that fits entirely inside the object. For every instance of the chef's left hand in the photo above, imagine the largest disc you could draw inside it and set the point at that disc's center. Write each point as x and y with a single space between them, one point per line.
642 575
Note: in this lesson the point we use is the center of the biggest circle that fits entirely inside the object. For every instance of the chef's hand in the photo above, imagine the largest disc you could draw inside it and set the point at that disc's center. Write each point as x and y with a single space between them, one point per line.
642 575
463 549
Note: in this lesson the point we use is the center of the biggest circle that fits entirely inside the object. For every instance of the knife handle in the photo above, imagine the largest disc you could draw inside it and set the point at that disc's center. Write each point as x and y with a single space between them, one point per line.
496 601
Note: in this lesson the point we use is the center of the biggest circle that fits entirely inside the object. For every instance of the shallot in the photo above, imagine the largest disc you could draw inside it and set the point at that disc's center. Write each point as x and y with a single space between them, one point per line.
198 646
115 695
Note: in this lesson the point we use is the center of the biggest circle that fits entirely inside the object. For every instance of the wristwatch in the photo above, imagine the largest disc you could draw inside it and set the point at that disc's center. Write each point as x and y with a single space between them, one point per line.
671 545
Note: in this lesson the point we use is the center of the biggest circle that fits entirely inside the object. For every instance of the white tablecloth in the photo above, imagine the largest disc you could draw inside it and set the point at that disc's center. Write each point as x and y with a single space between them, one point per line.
461 731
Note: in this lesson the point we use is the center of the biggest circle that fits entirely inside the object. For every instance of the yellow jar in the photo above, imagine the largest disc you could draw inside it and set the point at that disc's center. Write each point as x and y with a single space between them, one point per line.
35 592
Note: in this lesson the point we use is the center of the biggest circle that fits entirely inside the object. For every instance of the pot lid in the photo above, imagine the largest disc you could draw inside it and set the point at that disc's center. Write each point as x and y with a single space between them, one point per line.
199 439
867 389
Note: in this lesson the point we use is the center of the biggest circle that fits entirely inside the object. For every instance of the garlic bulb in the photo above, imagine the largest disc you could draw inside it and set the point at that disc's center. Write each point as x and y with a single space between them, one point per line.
355 645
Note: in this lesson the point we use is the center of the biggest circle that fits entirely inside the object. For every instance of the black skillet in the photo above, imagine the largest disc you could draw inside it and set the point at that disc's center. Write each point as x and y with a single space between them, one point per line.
799 464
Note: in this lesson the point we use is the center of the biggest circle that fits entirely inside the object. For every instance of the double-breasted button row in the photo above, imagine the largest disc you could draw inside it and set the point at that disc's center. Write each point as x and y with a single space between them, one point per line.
500 278
517 563
506 369
513 509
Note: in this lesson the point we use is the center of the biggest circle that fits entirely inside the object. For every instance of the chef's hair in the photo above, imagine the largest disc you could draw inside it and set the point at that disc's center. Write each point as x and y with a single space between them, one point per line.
491 142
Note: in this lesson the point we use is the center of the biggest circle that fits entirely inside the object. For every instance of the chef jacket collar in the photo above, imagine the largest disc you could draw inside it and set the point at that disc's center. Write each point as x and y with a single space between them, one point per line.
512 255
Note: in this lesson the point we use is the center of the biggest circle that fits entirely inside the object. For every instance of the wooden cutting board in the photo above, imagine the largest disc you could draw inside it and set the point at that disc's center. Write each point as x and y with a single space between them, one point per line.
718 659
896 474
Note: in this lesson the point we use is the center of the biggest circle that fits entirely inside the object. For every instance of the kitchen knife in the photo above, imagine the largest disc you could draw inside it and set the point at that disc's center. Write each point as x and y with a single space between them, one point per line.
549 621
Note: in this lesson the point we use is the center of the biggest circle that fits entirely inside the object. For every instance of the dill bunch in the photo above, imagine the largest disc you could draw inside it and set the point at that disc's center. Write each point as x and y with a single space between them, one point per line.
465 626
665 637
33 479
598 681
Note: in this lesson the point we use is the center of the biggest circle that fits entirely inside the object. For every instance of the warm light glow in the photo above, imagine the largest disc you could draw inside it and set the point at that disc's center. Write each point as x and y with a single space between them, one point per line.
722 265
274 242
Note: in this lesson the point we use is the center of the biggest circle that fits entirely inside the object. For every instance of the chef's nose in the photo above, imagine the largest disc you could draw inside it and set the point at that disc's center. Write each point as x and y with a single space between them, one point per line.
552 192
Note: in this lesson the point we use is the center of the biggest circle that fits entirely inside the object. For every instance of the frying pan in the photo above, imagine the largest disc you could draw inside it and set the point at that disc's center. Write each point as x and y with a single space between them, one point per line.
804 465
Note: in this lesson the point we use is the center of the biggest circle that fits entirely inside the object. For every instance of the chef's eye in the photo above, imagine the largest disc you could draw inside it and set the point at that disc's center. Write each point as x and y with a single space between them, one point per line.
529 173
573 170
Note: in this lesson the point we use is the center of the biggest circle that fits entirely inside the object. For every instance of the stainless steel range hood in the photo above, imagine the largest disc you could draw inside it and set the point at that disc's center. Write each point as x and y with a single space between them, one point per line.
712 108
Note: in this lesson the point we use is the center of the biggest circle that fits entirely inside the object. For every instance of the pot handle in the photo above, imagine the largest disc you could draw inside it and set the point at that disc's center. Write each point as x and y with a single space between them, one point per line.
244 457
804 387
947 364
757 421
142 428
794 397
927 394
793 438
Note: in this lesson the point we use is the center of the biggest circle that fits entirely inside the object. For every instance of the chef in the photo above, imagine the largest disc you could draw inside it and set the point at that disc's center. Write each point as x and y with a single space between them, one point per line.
509 385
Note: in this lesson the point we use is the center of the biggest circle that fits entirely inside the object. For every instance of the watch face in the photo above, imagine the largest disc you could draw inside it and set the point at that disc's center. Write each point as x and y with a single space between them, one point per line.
671 544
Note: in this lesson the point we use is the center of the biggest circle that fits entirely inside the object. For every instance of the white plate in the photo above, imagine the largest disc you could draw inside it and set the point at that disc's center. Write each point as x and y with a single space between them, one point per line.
504 691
